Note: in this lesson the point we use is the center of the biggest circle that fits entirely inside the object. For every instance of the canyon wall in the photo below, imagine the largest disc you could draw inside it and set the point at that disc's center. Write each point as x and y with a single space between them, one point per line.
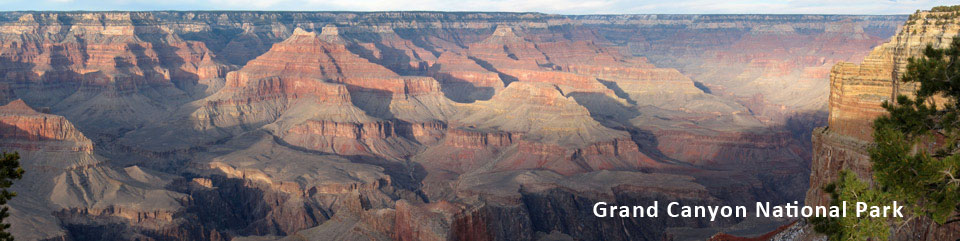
856 94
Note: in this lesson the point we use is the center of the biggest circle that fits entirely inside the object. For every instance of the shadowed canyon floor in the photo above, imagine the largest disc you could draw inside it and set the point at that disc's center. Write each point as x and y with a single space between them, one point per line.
410 125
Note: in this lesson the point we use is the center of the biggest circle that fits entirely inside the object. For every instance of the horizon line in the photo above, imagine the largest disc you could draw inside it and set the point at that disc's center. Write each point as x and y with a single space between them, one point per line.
438 11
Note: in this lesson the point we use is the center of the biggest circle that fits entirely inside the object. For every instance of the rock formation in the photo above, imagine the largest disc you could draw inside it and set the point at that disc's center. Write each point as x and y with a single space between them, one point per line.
856 95
100 67
412 125
64 178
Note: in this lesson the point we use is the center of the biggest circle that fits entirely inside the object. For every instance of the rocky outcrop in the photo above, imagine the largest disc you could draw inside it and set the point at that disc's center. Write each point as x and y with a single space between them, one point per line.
462 138
506 49
64 178
301 66
833 153
344 138
463 79
567 82
385 47
533 110
96 68
427 133
319 69
856 95
857 91
307 189
24 128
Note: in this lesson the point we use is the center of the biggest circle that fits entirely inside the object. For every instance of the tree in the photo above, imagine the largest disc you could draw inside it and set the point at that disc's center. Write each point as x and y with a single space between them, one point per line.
9 171
916 151
849 187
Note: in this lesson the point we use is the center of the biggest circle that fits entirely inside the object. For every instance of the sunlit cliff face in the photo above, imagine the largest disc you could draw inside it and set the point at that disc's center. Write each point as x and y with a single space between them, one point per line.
857 92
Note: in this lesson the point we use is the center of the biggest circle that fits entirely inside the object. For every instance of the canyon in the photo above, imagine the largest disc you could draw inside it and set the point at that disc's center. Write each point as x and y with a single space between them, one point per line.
429 125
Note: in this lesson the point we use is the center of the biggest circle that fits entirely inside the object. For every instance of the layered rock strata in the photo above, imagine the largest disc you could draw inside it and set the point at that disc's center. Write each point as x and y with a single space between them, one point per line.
856 95
64 177
402 125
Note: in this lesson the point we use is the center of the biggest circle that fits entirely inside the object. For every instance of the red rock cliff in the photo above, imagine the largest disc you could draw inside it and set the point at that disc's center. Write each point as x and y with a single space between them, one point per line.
856 92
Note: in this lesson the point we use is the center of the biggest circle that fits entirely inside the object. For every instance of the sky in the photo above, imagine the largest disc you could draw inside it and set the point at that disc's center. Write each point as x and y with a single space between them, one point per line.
543 6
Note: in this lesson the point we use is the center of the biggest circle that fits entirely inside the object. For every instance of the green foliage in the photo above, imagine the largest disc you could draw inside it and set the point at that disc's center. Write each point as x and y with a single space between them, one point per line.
828 225
9 171
943 14
850 188
953 8
916 156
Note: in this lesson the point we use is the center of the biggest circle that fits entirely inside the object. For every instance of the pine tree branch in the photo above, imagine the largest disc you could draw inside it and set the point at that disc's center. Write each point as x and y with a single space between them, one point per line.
952 221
